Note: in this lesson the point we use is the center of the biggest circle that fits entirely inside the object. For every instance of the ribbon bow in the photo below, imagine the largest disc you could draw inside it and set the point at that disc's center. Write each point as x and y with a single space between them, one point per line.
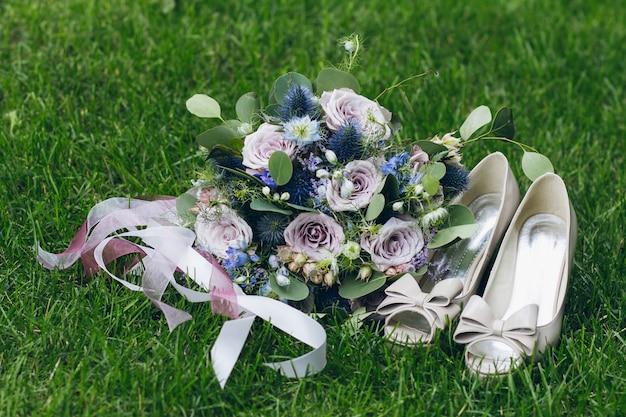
478 322
406 293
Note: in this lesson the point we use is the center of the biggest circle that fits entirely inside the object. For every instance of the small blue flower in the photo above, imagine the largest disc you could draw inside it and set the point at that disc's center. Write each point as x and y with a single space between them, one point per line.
298 102
346 142
395 163
266 178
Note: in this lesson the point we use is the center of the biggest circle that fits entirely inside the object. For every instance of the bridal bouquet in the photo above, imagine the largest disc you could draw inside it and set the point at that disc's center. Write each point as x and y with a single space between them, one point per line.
317 199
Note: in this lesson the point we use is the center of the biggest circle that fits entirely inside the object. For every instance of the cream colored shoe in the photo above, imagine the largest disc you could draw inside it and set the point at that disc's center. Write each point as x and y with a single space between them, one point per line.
416 310
521 310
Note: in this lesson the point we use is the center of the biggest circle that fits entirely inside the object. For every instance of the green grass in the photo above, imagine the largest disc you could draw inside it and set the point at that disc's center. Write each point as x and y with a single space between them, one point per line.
92 106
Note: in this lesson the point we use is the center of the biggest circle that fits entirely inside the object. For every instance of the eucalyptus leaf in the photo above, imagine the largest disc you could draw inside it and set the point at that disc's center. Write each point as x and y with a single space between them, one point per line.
430 183
376 206
437 170
286 81
352 288
219 135
478 118
204 106
303 208
280 167
295 291
330 79
502 126
264 205
247 106
184 203
459 214
451 234
535 164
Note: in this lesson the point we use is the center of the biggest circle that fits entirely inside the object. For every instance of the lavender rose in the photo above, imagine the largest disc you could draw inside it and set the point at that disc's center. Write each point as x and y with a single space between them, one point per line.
397 242
364 176
219 225
341 106
314 235
260 145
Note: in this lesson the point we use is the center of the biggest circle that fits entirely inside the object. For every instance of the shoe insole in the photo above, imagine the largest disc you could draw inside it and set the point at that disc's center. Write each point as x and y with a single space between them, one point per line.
456 260
541 252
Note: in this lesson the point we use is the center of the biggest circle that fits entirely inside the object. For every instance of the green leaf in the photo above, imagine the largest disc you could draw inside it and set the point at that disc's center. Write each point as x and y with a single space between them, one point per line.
502 126
280 167
303 208
430 183
219 135
459 214
295 291
391 188
284 82
264 205
478 118
376 206
352 288
535 164
451 234
247 106
431 148
437 170
330 79
204 106
184 203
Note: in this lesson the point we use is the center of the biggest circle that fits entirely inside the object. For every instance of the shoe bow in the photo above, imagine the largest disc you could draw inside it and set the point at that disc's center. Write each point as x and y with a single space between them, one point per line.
478 322
406 293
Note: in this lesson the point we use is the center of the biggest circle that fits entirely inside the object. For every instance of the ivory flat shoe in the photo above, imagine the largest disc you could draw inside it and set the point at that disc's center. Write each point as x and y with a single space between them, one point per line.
521 310
415 310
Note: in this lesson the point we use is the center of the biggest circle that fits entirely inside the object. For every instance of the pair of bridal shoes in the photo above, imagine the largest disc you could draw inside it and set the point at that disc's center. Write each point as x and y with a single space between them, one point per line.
416 310
521 310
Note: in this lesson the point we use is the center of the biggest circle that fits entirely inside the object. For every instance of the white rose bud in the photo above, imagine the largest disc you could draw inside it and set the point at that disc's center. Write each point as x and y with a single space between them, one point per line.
322 173
282 280
266 191
364 273
329 278
347 188
285 196
398 206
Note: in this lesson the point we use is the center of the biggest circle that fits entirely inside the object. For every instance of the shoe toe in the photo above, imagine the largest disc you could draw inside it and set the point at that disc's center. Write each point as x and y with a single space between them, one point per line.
492 357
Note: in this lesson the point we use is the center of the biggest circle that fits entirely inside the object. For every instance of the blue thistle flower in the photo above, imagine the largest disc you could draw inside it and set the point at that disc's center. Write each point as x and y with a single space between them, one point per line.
300 187
270 227
346 142
298 102
456 179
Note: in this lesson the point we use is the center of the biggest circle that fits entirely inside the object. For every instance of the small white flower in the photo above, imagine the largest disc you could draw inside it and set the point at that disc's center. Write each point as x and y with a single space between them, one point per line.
347 188
322 173
398 206
348 45
331 156
434 217
285 196
266 191
245 129
419 189
282 280
273 261
302 130
241 279
351 250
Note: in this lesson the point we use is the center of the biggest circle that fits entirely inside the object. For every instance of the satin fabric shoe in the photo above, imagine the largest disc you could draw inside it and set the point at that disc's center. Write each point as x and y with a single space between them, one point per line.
415 310
521 310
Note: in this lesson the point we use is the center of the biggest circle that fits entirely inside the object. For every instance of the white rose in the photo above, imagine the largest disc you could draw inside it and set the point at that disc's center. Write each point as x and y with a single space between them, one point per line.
260 145
365 177
217 226
341 106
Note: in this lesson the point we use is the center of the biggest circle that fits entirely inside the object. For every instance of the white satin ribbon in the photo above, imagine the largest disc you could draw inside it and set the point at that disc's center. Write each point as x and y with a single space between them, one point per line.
168 247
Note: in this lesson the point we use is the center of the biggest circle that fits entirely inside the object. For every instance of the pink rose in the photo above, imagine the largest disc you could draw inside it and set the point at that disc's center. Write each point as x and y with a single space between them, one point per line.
397 243
314 234
365 177
341 106
260 145
217 226
418 158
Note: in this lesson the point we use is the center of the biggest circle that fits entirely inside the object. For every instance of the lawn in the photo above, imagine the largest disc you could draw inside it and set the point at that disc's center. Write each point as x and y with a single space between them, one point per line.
92 106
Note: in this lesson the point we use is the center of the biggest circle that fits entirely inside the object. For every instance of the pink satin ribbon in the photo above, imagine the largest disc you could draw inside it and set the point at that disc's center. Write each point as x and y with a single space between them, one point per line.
168 247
